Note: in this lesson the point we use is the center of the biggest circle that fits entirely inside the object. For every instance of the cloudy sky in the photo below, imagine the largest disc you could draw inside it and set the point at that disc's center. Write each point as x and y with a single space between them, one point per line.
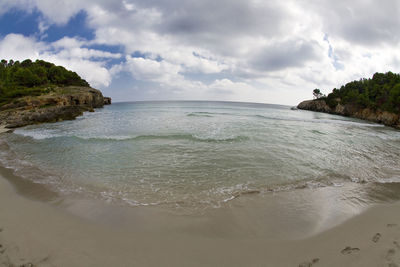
267 51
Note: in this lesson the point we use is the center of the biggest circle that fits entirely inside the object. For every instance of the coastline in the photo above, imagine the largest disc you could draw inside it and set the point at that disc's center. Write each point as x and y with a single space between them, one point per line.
250 231
3 129
349 110
63 103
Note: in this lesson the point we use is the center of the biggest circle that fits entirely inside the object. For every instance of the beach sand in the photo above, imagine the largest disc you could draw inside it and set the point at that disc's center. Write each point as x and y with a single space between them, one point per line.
38 227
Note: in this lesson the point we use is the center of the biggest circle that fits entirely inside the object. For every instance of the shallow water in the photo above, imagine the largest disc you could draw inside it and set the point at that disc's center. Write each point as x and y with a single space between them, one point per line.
200 154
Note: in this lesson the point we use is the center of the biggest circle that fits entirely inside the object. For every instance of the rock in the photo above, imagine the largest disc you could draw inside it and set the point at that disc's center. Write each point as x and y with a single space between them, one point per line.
107 101
378 116
51 114
315 105
64 103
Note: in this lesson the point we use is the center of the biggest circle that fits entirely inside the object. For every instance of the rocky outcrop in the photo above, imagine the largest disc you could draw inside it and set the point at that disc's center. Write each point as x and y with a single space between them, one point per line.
107 101
384 117
378 116
314 105
62 103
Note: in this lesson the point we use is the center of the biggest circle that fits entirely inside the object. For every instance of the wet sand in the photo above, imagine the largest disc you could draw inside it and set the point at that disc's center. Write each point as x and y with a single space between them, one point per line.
295 228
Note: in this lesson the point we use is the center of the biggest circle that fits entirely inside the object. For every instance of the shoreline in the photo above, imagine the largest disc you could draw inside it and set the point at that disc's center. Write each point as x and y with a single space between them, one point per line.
251 231
60 103
367 114
4 129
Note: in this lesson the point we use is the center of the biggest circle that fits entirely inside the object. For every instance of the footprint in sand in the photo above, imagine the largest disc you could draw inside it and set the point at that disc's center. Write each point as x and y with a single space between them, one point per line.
349 250
309 263
376 237
390 254
391 257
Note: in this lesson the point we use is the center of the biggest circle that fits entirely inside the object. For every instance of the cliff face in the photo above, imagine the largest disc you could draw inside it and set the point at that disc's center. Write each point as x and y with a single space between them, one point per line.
378 116
314 105
63 103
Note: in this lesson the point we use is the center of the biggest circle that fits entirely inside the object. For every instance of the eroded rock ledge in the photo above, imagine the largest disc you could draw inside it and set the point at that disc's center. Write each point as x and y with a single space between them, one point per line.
63 103
378 116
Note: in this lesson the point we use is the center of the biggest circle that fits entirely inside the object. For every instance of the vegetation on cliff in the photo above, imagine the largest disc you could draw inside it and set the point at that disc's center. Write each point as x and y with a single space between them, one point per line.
27 78
381 92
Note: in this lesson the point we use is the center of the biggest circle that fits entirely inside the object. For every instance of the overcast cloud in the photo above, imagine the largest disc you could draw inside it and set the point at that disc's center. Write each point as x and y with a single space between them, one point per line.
241 50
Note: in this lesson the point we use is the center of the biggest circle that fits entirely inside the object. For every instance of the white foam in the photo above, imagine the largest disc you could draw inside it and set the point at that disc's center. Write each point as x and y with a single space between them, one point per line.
395 179
38 134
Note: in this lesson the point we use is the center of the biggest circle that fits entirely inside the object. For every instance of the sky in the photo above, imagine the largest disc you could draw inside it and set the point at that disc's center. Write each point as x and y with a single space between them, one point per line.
266 51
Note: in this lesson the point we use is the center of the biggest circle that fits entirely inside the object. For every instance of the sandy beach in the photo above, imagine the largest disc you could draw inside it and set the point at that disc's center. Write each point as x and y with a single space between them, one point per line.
38 228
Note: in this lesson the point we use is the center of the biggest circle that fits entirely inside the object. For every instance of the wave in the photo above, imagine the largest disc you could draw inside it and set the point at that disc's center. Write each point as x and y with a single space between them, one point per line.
198 115
38 135
318 132
207 114
327 121
187 137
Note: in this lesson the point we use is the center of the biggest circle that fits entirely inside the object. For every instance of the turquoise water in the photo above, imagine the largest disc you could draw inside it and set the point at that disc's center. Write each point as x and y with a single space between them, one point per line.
200 153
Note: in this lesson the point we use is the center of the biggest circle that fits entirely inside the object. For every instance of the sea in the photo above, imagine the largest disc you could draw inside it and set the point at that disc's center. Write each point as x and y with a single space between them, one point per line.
199 154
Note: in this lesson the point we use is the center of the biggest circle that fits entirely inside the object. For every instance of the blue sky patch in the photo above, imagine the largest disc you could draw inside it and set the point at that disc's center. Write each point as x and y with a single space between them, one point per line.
27 23
113 61
19 22
76 27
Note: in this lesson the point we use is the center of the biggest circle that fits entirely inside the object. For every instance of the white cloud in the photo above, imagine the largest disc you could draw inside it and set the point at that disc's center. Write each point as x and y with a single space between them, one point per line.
195 62
67 52
267 51
226 86
58 11
152 70
18 47
73 48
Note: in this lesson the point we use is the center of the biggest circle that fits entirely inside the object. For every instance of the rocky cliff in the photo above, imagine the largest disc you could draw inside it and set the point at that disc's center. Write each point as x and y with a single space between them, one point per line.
62 103
378 116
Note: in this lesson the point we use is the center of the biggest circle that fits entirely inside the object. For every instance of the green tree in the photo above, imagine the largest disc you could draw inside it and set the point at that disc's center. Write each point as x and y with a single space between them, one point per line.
317 93
41 73
394 98
32 78
25 77
26 63
382 91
